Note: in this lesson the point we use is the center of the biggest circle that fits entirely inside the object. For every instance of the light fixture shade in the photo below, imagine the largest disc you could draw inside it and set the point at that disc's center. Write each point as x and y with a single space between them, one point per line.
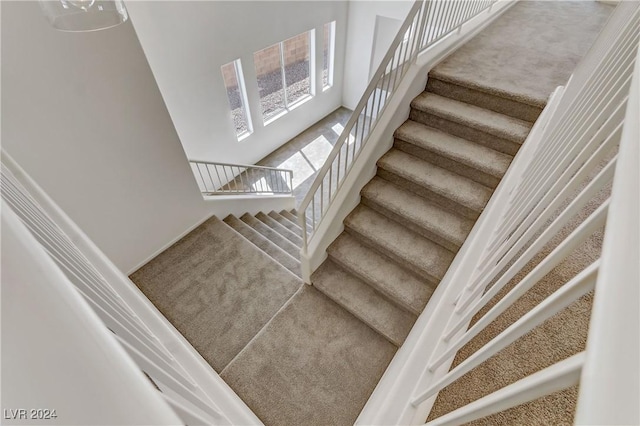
84 15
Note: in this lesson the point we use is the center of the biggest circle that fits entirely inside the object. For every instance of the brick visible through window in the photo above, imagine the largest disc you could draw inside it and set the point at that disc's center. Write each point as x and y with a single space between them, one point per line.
283 72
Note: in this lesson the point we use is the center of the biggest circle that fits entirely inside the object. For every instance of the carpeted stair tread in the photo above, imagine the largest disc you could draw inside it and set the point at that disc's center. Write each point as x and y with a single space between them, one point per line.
482 119
445 184
422 256
417 213
257 239
293 216
364 302
280 229
313 364
203 286
471 154
489 98
271 235
538 102
380 272
291 226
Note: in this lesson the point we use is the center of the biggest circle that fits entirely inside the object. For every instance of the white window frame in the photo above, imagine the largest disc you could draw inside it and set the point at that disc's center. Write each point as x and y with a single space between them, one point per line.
312 77
237 66
330 54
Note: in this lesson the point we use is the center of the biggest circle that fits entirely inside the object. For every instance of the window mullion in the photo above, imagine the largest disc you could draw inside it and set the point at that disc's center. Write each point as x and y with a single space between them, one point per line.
243 97
284 78
233 80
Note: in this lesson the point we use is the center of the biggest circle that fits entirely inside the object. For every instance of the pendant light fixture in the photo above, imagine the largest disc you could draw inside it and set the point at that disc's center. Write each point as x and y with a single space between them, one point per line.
84 15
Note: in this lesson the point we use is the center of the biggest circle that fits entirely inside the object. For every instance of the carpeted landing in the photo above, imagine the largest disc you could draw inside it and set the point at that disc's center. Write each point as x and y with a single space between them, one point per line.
526 53
314 364
232 288
203 286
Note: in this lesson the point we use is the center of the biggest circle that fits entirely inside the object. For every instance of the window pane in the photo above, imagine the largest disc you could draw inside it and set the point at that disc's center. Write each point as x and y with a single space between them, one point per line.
327 53
296 67
269 75
233 82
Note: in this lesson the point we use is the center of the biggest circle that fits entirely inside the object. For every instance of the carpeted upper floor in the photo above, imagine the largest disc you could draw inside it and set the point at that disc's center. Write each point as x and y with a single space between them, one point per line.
529 51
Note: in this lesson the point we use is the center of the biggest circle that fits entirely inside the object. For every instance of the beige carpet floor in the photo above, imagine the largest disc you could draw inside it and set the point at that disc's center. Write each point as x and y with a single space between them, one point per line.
529 50
314 364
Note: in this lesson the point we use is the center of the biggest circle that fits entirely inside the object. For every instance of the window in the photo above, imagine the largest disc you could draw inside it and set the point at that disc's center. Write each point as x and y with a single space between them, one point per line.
269 74
284 74
297 70
236 93
329 38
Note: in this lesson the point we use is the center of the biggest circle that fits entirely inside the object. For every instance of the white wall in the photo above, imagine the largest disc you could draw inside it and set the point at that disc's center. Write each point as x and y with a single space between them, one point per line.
385 31
187 42
82 114
361 33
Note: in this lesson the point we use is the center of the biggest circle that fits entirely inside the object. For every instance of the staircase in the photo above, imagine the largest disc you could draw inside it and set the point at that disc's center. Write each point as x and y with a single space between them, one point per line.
398 243
276 234
415 214
232 287
545 282
298 354
331 342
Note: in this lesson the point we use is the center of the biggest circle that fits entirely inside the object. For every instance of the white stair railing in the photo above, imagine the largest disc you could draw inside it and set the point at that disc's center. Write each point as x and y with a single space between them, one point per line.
610 384
56 352
427 23
241 179
188 384
572 148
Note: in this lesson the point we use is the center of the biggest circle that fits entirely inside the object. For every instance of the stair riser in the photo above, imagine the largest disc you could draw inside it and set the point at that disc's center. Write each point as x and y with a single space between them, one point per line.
380 272
386 295
344 306
488 101
448 164
440 200
280 230
436 238
363 302
271 235
294 218
417 270
463 131
286 223
265 245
